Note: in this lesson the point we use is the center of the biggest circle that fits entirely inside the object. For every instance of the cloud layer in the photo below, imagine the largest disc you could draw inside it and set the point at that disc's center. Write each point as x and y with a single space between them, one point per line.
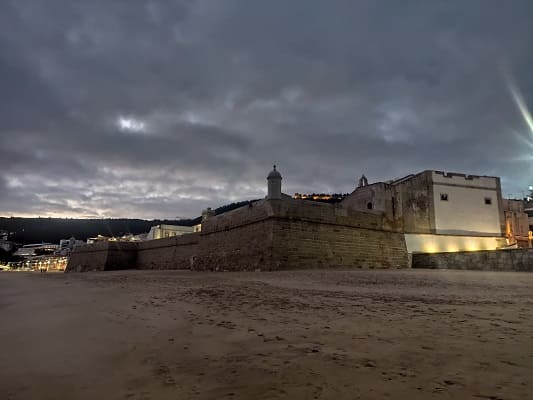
160 108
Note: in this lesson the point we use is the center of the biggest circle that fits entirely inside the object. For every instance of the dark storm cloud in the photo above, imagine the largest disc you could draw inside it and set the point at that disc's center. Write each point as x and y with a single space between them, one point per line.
161 108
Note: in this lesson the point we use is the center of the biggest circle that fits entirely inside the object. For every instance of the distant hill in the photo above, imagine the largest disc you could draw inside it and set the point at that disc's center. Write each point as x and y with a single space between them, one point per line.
52 230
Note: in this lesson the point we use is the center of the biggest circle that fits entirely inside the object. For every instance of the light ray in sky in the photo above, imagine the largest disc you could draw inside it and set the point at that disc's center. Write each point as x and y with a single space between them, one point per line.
519 100
523 139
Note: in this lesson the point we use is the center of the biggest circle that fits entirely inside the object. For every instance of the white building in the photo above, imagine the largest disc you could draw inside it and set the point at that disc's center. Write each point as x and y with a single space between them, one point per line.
7 245
165 231
31 250
67 245
438 211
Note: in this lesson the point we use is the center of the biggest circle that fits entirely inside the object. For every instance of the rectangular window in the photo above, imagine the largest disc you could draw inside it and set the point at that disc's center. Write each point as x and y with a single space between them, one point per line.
488 200
444 196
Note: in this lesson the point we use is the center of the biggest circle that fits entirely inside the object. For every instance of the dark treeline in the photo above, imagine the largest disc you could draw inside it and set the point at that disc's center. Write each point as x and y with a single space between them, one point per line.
52 230
232 206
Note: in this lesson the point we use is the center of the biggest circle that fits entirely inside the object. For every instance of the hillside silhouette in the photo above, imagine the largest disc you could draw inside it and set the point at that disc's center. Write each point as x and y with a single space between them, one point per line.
52 230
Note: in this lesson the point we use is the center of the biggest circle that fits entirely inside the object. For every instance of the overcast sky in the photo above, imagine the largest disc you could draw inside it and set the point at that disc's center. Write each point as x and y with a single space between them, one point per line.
152 109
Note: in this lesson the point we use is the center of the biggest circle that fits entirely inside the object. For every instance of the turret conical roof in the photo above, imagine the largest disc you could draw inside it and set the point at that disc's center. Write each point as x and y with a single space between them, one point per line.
274 174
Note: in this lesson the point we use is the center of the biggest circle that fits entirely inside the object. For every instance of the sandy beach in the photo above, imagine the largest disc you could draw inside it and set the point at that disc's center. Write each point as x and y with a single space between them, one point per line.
143 335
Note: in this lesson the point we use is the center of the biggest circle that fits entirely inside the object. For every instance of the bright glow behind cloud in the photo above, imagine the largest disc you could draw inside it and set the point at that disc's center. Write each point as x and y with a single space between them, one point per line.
130 124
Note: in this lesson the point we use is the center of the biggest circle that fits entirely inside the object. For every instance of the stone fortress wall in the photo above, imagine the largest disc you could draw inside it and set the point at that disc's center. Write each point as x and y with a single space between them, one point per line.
265 235
170 253
380 225
103 256
317 235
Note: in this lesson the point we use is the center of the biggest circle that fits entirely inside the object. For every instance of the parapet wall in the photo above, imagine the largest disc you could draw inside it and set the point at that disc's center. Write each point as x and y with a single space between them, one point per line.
330 214
481 181
488 260
242 216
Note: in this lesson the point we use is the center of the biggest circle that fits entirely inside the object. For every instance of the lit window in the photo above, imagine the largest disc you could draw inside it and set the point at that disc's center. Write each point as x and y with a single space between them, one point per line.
488 200
444 196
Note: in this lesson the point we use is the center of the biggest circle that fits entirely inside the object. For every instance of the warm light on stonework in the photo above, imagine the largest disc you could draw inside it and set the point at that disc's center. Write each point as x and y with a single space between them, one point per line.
452 248
431 248
472 246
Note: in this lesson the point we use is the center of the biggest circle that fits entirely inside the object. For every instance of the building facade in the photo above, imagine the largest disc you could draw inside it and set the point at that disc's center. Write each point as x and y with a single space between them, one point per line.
67 245
516 223
438 211
165 231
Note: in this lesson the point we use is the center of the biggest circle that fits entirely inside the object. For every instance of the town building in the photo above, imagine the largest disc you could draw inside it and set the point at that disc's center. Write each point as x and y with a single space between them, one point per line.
124 238
99 238
67 245
325 197
37 249
528 209
6 244
516 223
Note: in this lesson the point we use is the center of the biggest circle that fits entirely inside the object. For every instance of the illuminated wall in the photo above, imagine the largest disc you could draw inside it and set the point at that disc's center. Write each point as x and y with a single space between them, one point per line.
435 202
427 243
467 206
